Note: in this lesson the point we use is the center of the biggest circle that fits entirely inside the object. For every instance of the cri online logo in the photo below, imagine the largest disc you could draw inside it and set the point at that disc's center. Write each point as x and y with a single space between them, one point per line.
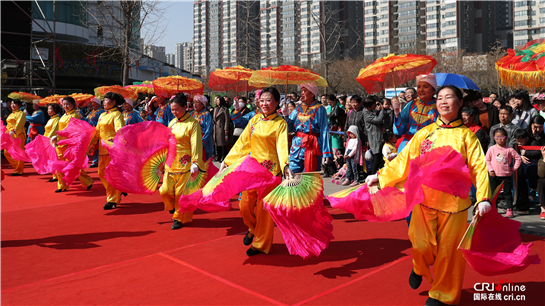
503 286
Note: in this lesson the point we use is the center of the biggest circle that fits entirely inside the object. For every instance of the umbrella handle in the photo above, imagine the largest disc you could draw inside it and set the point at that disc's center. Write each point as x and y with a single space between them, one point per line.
394 78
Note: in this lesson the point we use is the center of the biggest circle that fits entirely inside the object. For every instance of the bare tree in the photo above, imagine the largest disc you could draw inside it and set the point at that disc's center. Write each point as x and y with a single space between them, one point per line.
120 24
333 32
248 29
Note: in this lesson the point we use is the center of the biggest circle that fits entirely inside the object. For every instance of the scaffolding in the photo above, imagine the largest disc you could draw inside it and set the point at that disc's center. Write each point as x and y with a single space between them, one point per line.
49 36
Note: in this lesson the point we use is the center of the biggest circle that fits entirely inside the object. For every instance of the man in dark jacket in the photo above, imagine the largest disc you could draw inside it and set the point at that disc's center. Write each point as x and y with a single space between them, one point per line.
486 115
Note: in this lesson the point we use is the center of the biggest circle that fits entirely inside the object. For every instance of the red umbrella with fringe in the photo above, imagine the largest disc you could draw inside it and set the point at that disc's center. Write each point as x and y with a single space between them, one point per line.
82 99
24 96
235 78
171 85
124 92
51 100
393 70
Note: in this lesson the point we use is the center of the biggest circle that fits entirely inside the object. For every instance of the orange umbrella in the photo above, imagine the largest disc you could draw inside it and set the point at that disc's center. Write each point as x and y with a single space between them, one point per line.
235 78
524 68
24 96
171 85
394 69
82 99
285 75
51 100
124 92
141 88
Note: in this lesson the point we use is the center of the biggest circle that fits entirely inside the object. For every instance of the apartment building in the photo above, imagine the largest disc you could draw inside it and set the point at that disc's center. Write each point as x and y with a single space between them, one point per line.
529 21
185 56
171 58
226 33
156 52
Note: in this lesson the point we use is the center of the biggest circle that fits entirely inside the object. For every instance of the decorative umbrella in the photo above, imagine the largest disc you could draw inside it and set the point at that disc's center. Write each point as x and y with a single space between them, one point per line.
82 99
297 208
24 96
51 100
126 93
142 88
285 75
394 69
524 68
458 80
235 78
171 85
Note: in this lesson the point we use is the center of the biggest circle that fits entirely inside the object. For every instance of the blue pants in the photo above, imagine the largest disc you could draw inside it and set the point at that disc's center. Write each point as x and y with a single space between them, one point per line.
297 165
351 169
95 158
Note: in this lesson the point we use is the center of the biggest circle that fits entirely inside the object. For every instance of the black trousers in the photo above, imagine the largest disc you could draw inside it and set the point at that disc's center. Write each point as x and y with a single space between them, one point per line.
495 181
377 162
222 152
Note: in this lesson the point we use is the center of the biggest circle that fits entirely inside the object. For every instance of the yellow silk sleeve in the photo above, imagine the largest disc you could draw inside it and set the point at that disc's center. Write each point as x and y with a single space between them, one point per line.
242 147
282 148
196 144
20 124
54 128
478 170
119 122
397 170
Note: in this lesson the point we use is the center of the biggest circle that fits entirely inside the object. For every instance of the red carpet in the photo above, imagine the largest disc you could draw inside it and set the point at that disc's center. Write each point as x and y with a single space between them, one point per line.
64 249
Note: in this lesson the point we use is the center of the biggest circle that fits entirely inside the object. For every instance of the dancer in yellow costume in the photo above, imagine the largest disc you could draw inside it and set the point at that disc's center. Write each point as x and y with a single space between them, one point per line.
439 222
266 139
188 161
108 124
69 105
16 129
52 126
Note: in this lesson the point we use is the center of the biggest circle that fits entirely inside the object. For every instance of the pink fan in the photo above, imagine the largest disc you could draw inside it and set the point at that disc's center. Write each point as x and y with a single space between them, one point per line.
244 174
138 156
494 247
79 135
42 154
441 169
12 145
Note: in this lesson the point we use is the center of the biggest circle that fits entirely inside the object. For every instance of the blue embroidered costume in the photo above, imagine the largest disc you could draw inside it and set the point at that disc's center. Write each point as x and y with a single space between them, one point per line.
414 116
132 117
37 121
163 114
207 127
311 141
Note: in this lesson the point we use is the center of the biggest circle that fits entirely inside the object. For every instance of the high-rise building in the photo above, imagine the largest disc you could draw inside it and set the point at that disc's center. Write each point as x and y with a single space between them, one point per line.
226 33
184 56
171 58
529 21
156 52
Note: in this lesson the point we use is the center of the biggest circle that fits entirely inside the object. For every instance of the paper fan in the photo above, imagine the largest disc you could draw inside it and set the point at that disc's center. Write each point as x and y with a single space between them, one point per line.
42 154
245 174
202 178
297 208
138 156
12 145
492 244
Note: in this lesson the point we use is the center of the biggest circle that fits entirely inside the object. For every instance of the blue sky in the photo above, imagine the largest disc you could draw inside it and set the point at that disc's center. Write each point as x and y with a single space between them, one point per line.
179 17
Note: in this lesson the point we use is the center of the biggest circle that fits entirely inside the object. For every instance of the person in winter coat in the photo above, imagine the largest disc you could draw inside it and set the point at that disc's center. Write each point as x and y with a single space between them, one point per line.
352 156
373 125
223 135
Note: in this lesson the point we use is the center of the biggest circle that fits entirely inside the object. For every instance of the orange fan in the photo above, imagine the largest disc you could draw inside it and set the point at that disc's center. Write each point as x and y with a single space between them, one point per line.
235 78
171 85
51 100
390 70
124 92
285 75
24 96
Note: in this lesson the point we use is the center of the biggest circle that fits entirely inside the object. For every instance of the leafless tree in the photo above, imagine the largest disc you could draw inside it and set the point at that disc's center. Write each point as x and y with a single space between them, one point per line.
248 30
333 31
121 24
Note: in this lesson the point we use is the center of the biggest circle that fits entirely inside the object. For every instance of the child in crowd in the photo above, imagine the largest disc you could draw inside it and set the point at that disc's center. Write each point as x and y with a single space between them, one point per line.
388 122
506 113
143 115
498 159
352 156
389 150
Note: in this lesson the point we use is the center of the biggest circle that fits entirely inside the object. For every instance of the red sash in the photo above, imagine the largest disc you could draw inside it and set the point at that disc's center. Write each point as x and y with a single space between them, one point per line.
33 131
312 149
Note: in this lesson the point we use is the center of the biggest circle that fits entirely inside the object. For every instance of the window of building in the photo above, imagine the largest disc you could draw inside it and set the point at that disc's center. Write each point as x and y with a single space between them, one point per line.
449 14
